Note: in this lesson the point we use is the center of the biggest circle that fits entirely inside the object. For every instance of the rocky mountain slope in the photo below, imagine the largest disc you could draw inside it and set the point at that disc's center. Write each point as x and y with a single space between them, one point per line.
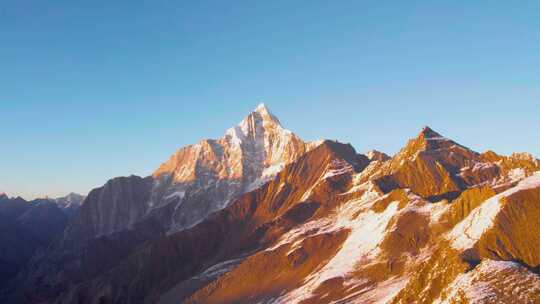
25 229
259 216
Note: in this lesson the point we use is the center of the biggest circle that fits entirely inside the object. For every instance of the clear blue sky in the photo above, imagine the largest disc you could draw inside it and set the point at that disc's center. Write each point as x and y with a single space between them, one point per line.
108 88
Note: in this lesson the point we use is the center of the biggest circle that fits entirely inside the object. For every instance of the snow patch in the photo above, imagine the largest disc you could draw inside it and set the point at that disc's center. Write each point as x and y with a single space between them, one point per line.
517 174
439 208
437 138
381 293
468 232
179 194
485 282
338 167
268 174
367 230
235 136
218 269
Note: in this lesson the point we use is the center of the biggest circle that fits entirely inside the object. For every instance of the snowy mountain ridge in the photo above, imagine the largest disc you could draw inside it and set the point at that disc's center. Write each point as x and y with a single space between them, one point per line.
260 216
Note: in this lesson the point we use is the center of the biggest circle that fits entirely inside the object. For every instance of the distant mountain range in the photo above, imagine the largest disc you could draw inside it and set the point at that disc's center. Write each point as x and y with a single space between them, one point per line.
261 216
27 227
70 203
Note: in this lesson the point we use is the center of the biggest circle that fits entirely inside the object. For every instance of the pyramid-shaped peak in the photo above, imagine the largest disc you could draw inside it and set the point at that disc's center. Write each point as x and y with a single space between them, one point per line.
428 139
259 122
261 114
428 132
261 108
265 113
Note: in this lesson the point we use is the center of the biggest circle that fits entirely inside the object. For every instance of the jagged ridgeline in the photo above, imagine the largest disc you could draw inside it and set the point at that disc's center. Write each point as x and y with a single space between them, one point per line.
261 216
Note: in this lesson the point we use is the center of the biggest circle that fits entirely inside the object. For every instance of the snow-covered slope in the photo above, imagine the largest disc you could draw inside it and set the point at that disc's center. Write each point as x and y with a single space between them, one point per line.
468 232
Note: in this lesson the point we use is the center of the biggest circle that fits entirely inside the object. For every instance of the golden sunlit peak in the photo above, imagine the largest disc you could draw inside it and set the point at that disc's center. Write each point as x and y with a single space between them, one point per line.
428 132
261 107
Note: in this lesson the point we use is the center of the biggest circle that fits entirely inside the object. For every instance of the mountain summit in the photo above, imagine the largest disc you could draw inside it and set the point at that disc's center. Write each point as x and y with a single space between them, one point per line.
247 156
257 143
265 114
428 132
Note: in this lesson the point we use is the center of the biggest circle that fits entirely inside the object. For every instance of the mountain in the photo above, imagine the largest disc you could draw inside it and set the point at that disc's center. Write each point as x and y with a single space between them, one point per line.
196 181
436 167
70 203
25 229
247 156
260 216
375 155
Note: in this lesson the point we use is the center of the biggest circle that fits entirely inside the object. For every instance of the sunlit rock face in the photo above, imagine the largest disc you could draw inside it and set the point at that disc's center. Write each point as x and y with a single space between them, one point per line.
259 216
205 177
434 166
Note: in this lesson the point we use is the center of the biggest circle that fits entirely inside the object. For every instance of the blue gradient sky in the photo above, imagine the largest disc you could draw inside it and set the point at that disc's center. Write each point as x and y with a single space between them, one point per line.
108 88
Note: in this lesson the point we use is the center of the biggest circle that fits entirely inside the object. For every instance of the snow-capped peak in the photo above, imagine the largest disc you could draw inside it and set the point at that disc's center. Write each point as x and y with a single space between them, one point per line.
259 123
72 200
263 114
261 108
262 138
248 155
